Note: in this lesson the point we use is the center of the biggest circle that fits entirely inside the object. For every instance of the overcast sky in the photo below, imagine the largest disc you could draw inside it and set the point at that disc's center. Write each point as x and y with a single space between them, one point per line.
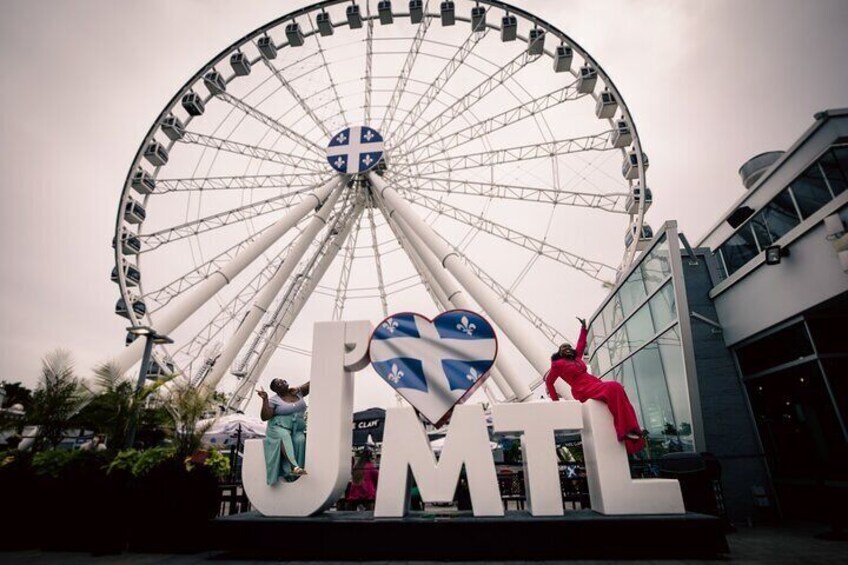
709 83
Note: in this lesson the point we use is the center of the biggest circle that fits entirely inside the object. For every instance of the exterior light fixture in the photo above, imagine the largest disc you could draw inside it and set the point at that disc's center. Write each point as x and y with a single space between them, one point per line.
774 253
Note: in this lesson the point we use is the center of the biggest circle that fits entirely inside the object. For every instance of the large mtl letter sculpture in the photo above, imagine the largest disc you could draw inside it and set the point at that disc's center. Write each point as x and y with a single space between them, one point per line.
271 160
435 365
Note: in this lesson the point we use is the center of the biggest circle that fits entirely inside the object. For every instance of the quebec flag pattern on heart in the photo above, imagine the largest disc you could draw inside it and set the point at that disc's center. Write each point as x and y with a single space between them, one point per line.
434 364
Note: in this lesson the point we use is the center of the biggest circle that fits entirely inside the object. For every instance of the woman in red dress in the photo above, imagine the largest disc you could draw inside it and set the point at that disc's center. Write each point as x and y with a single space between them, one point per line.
567 364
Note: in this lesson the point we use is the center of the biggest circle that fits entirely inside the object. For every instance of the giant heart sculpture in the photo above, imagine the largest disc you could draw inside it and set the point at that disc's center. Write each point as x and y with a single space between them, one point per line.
436 364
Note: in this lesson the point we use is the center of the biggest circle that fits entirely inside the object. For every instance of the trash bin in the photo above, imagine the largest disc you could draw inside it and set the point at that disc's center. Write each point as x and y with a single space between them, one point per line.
696 481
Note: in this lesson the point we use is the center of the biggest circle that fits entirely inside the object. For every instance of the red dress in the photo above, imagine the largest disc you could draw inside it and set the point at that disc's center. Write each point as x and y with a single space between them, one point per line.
585 386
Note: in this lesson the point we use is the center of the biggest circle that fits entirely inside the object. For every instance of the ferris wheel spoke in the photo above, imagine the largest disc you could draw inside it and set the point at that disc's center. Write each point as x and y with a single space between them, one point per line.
375 246
594 269
261 153
516 114
344 276
160 297
611 202
450 163
466 101
296 95
326 66
233 309
244 213
403 78
551 333
423 103
292 180
272 123
297 295
369 56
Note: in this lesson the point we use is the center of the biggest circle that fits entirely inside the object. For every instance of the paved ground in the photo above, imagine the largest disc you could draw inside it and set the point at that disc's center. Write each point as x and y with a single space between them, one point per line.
767 545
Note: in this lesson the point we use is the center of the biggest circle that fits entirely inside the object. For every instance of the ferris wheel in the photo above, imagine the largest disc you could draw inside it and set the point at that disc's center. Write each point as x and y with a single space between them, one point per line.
356 158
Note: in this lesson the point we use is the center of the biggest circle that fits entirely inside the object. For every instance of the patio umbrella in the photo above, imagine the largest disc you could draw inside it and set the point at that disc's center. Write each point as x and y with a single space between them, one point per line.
225 429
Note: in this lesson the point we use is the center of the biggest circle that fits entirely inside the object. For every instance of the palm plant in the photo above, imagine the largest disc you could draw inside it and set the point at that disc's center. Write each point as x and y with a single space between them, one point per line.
60 395
187 405
111 411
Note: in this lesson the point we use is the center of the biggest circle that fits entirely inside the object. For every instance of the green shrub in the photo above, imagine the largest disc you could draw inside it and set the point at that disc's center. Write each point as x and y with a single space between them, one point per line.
51 462
152 458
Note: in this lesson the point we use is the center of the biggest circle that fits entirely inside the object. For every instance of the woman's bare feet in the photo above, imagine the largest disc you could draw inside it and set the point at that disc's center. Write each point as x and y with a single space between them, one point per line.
633 435
298 471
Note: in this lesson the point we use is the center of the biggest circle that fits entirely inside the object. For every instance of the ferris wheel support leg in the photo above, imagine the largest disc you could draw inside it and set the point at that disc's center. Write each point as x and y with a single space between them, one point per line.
528 344
440 298
173 317
270 291
505 374
242 394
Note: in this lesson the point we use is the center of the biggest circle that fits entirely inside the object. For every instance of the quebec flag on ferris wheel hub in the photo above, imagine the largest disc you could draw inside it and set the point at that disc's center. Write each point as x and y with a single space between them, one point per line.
355 149
434 364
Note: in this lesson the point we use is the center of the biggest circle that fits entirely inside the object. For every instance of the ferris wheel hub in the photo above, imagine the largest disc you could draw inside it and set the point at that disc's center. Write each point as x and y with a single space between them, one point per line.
355 149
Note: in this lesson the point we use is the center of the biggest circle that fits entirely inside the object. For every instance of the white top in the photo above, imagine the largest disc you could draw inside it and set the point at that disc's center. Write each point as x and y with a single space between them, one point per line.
283 408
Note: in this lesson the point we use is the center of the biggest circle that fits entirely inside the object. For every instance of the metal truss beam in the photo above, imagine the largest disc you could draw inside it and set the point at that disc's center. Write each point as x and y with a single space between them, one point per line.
467 100
292 180
507 118
154 240
413 116
275 125
594 269
547 149
612 202
294 161
403 78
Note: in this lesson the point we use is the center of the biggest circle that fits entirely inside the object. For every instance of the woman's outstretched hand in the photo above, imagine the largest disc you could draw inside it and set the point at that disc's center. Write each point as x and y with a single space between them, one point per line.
262 394
582 322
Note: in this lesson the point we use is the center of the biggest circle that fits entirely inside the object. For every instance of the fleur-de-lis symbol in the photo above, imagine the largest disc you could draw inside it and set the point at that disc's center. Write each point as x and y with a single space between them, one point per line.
367 160
465 327
341 138
472 375
395 375
339 162
390 325
369 135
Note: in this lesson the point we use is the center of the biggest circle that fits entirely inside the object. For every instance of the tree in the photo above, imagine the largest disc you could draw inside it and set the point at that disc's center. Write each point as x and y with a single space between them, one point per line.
111 409
60 395
16 393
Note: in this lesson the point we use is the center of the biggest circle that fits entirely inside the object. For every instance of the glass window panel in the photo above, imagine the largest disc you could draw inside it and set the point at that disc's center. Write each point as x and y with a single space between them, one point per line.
740 248
627 378
837 376
656 267
758 224
617 345
632 292
722 272
599 332
671 353
613 313
662 306
603 358
836 175
811 192
798 425
593 366
780 215
841 155
640 328
776 349
653 393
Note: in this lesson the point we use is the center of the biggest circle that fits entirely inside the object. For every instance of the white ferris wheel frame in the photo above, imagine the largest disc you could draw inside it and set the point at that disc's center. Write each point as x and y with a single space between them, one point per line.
447 275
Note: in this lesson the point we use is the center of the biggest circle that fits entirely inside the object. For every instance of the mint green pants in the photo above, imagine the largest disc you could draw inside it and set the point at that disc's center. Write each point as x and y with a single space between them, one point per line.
284 443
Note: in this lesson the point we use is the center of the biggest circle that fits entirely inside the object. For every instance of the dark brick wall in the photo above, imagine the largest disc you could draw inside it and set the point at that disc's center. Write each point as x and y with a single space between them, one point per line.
729 430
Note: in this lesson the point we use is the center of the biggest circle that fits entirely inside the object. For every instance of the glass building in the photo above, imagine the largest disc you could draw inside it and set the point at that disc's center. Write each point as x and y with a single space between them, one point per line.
636 338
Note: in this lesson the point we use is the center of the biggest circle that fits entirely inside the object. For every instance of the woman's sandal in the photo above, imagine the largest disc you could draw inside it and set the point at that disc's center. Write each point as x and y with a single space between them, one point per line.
298 471
633 436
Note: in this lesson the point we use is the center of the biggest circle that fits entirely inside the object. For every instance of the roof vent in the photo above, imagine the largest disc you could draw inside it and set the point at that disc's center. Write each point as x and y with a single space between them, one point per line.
756 166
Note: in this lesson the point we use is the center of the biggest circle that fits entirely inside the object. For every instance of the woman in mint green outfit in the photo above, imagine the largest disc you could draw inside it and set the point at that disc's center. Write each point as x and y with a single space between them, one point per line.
285 437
